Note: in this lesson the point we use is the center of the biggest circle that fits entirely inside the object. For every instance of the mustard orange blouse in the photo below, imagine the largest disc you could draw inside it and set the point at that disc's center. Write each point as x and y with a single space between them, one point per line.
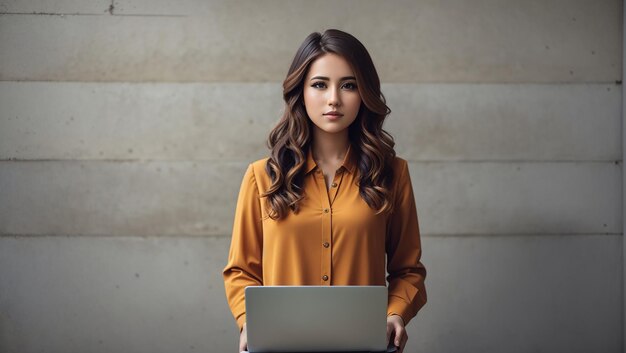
335 239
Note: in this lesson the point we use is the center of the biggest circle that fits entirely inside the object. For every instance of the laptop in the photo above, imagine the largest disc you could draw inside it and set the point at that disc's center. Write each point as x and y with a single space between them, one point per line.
317 319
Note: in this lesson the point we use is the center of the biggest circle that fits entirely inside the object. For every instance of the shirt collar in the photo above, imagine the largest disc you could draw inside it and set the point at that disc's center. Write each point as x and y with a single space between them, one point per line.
348 164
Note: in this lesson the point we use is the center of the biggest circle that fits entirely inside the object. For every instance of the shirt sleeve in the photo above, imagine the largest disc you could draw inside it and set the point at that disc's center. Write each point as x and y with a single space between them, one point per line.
244 266
406 274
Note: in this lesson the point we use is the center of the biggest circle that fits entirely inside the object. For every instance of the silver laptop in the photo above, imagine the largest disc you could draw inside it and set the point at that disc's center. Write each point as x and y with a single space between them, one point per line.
317 319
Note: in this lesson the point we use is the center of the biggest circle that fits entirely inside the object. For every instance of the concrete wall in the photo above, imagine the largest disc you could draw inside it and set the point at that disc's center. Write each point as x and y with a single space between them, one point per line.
121 154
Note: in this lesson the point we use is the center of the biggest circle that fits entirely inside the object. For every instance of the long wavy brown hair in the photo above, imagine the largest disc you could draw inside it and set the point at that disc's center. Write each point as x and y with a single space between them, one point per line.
291 138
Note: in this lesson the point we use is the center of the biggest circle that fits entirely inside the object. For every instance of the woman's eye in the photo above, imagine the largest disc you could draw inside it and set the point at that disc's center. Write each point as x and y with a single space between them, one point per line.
318 85
350 86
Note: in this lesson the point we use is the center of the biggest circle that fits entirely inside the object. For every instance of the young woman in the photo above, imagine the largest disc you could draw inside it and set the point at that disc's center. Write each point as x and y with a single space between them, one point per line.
332 201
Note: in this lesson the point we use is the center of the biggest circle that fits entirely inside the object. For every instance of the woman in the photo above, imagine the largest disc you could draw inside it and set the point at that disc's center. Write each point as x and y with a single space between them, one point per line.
332 200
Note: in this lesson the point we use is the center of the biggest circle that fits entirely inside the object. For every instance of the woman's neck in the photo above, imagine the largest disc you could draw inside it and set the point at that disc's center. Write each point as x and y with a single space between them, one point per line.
329 147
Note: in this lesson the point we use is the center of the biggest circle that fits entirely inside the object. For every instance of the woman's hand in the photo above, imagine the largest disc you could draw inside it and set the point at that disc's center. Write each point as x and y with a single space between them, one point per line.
243 339
395 330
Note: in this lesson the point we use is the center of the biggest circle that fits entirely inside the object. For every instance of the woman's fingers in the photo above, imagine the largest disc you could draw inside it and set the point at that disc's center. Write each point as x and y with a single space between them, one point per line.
396 331
243 339
403 341
399 335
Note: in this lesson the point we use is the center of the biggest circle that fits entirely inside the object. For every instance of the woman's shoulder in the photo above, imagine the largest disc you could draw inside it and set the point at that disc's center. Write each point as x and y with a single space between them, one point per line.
401 175
257 168
259 165
398 164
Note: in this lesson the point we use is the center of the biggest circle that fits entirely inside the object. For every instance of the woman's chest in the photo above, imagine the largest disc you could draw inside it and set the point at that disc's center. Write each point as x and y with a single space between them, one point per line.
338 212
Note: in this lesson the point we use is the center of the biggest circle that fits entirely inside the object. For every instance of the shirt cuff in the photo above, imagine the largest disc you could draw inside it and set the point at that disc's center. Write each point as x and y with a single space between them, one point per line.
240 321
399 307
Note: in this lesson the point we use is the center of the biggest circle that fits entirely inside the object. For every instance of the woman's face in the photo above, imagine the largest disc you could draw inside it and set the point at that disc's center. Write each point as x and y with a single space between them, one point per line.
330 87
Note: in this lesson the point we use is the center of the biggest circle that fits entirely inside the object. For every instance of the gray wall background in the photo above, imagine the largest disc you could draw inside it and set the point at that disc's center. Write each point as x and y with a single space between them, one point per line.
126 126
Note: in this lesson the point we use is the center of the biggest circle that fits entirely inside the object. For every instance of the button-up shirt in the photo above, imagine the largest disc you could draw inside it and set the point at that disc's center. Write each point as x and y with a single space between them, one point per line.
334 239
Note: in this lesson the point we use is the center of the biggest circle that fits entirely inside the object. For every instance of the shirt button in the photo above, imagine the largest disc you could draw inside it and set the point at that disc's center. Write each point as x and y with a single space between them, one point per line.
326 245
333 185
326 210
325 278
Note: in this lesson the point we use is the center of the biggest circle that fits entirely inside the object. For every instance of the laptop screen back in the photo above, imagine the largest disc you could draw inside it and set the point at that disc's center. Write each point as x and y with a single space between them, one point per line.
316 318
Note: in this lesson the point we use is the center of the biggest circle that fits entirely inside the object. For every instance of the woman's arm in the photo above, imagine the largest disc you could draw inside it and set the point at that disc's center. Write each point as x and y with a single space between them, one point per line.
406 274
244 267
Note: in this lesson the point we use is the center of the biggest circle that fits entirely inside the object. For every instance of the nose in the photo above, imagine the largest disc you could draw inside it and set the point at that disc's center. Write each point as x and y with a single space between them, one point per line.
333 97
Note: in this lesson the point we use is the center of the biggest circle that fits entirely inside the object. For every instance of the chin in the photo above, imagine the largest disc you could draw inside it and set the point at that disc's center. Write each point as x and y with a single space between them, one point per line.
331 127
334 130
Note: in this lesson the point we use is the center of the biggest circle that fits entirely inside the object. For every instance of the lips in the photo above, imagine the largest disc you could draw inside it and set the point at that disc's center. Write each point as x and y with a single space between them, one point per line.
333 114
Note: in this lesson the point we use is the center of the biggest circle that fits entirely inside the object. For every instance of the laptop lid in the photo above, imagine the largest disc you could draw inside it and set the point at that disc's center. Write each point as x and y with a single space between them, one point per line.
316 318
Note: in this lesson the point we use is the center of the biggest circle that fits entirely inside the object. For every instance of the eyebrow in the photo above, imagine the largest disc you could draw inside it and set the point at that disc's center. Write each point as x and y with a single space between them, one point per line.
327 79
